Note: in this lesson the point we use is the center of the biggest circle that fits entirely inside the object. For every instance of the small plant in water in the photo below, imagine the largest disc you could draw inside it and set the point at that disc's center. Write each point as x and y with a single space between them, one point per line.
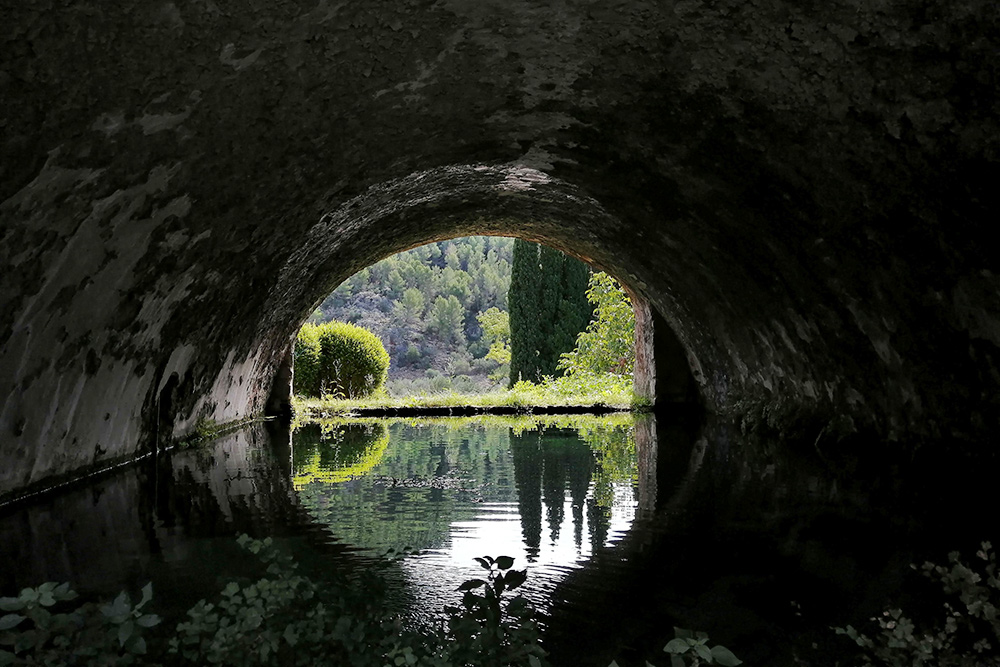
487 632
690 649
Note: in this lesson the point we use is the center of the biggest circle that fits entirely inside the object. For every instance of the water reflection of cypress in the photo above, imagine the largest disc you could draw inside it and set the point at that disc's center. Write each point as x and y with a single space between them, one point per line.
377 491
599 520
553 486
545 466
525 449
579 473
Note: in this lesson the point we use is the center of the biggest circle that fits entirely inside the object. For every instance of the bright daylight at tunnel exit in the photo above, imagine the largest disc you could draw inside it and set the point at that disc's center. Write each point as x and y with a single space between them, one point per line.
458 333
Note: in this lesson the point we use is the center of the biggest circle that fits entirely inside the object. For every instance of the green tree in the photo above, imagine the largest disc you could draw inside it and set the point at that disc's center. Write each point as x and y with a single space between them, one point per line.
394 299
412 304
447 318
548 308
573 310
496 330
522 298
607 345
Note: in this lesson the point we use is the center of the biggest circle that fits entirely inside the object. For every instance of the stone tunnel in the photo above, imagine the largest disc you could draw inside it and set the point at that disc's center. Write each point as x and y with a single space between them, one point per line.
803 193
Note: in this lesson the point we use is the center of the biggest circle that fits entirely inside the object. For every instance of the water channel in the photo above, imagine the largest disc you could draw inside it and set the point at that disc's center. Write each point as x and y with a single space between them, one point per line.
627 525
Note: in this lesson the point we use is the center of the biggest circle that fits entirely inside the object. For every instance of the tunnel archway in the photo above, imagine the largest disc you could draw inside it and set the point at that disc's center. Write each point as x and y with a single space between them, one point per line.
805 193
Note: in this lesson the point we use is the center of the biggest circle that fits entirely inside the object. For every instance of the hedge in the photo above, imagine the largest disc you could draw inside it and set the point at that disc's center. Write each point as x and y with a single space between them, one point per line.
339 359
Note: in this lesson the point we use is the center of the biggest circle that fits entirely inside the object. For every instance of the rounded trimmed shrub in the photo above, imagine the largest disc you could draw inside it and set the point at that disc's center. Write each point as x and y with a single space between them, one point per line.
339 359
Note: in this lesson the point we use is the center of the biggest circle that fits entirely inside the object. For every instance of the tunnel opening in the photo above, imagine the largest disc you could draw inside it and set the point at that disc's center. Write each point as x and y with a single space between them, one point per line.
443 312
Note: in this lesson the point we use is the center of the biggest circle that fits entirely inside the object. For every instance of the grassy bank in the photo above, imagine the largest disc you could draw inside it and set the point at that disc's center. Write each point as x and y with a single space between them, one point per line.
579 393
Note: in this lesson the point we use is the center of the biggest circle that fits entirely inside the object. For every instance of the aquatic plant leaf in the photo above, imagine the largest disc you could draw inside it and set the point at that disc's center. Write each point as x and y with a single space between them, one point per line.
703 652
505 562
10 621
725 657
483 563
120 607
515 578
124 632
676 646
147 594
148 620
470 584
63 592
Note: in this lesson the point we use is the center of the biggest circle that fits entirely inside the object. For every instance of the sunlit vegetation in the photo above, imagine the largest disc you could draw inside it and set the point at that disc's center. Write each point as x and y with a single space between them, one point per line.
607 346
339 359
425 306
445 317
580 391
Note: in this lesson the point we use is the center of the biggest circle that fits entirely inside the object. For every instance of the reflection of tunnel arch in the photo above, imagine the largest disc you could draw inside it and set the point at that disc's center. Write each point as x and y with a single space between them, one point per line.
804 191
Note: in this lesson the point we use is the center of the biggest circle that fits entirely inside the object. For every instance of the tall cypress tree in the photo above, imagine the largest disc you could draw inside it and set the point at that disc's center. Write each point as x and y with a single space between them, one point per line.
548 309
573 311
522 304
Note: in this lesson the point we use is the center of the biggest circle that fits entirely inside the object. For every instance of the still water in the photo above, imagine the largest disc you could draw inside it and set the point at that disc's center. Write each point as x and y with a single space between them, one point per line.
452 490
627 526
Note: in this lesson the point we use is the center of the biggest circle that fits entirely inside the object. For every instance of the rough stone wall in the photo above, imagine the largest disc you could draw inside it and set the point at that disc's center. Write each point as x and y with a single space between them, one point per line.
803 190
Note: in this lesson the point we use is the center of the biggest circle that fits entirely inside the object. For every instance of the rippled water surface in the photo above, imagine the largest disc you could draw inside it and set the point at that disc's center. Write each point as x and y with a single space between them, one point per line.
627 526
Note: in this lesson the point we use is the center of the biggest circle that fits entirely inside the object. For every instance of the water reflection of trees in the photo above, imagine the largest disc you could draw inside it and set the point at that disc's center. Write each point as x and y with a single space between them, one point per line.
549 463
402 485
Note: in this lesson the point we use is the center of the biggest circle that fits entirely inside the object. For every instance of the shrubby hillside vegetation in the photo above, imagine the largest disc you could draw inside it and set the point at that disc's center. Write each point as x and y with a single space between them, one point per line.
425 306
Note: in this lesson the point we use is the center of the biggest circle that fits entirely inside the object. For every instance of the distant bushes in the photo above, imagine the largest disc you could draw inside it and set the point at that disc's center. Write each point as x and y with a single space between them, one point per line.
339 359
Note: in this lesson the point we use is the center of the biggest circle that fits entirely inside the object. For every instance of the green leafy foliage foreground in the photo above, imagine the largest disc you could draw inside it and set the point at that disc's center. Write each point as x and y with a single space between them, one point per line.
283 618
966 635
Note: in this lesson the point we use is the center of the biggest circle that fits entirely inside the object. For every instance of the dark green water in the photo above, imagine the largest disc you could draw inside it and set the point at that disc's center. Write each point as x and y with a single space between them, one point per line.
627 528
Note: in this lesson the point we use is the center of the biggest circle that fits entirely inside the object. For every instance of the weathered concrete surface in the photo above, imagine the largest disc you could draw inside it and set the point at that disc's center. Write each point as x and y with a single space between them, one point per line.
802 190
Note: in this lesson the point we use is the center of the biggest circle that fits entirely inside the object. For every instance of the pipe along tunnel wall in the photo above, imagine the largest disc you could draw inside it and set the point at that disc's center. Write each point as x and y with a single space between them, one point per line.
803 192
